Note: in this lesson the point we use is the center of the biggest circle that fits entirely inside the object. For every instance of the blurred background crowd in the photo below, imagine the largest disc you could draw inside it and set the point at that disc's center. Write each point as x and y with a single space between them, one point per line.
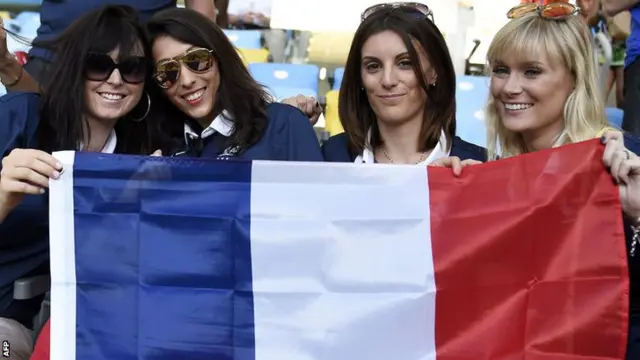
299 47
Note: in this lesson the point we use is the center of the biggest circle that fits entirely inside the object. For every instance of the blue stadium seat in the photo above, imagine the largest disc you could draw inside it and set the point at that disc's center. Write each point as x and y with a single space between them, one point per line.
284 92
29 22
615 116
245 39
472 93
295 76
337 78
12 43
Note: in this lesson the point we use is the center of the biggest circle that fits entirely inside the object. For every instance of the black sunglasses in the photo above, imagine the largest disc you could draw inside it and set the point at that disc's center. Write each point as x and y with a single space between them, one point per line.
99 67
419 10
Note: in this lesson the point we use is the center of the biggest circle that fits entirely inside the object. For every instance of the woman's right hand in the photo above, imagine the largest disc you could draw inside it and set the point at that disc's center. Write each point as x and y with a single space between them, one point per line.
455 164
4 50
25 172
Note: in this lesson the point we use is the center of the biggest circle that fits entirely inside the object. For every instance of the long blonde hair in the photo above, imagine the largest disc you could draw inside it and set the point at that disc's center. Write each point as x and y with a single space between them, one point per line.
565 42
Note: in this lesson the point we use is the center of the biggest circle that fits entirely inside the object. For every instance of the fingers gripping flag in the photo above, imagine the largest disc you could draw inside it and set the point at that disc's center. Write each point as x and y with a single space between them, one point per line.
165 258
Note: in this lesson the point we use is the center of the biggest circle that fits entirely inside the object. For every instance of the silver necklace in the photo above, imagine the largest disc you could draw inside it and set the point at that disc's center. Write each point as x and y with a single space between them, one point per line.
422 157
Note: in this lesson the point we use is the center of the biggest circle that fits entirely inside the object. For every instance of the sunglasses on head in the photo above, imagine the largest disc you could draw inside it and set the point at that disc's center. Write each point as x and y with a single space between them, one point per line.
198 60
99 67
552 10
419 10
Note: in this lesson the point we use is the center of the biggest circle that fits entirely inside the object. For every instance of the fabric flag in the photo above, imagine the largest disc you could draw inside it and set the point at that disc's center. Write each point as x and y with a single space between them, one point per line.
171 258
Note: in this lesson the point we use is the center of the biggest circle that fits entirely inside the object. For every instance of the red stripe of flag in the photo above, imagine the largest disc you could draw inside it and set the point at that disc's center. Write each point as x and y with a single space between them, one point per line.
530 259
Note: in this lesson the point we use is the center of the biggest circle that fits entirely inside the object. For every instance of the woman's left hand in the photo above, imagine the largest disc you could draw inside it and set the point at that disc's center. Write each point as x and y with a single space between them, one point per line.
624 166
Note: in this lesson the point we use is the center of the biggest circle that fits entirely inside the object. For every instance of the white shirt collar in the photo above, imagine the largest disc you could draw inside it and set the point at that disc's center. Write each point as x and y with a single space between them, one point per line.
439 152
221 124
109 145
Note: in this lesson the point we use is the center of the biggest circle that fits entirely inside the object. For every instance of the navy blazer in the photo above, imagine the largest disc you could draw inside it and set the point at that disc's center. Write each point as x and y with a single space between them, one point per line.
336 149
24 233
289 136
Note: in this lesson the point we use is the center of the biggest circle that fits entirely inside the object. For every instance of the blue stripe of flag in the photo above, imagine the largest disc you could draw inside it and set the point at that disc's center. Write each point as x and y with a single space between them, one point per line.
174 301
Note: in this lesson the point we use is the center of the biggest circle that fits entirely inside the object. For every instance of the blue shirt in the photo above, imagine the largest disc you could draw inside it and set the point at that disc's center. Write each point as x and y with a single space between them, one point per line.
57 15
633 41
289 136
24 234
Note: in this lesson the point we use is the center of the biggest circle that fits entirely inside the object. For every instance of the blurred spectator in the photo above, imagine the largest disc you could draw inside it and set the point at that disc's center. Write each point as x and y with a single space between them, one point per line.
631 121
591 11
55 17
256 14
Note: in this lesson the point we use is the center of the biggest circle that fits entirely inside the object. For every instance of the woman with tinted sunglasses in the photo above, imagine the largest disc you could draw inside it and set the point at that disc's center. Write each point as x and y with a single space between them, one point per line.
95 101
218 108
397 98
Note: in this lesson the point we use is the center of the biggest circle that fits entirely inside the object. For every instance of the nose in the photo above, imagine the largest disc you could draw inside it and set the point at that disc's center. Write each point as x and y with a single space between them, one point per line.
187 77
389 77
115 78
513 85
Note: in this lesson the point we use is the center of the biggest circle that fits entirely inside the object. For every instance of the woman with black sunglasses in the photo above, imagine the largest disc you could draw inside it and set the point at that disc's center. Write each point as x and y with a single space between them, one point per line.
214 103
95 101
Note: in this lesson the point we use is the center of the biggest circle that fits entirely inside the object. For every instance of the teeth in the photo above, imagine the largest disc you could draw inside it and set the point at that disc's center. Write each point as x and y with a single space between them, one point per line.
517 106
110 96
195 96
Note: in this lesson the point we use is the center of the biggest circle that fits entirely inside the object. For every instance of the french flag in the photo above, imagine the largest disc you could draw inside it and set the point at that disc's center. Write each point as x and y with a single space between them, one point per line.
174 258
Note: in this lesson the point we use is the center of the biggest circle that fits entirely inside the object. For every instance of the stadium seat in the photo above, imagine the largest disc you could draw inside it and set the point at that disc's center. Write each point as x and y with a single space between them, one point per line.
329 48
283 92
15 43
250 56
245 39
331 116
296 76
29 22
337 78
614 115
472 93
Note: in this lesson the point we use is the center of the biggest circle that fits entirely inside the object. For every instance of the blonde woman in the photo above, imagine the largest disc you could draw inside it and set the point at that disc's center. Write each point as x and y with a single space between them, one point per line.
543 94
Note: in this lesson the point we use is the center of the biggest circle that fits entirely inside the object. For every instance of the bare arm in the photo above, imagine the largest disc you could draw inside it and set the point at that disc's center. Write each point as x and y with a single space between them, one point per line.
613 7
205 7
14 78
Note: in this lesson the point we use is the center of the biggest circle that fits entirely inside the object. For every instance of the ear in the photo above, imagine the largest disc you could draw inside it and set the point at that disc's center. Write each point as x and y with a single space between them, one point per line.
432 76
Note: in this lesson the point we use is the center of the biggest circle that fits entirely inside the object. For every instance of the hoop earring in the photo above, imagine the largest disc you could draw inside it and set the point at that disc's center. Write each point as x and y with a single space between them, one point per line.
146 112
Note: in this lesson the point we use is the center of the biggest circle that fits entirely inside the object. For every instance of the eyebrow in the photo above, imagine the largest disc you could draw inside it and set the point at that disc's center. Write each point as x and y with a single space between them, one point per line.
523 63
373 58
174 57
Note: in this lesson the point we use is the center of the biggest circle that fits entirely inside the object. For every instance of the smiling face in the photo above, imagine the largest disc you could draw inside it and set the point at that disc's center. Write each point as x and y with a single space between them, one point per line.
530 94
112 93
192 92
389 80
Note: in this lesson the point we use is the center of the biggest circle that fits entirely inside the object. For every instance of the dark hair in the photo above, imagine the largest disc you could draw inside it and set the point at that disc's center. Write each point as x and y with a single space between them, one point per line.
355 112
238 94
63 105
